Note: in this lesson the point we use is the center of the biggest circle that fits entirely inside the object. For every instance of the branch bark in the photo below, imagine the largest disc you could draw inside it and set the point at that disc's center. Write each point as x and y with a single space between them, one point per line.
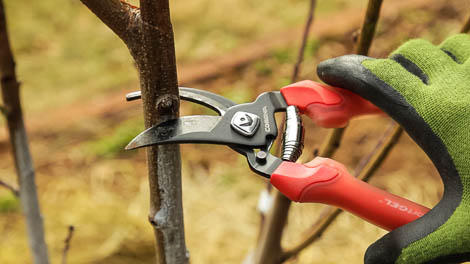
148 34
67 241
335 136
10 188
19 142
121 17
368 27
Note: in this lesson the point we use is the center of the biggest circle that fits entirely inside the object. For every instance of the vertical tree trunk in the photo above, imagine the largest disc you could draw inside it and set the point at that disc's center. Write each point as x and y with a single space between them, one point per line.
148 33
19 143
159 85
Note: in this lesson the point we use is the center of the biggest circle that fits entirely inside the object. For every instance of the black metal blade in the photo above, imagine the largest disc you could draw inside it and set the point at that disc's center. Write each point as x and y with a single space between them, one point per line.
187 129
214 101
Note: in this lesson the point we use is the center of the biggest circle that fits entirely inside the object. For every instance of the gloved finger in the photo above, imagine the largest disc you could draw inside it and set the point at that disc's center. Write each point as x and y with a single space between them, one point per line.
458 47
429 59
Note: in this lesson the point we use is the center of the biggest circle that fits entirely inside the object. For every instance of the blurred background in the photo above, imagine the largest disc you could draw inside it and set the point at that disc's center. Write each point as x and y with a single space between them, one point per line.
75 73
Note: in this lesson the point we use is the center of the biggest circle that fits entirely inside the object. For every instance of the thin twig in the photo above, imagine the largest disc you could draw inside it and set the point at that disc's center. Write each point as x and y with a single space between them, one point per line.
335 136
329 214
272 226
67 241
368 28
394 134
366 159
20 147
466 26
300 56
332 142
15 191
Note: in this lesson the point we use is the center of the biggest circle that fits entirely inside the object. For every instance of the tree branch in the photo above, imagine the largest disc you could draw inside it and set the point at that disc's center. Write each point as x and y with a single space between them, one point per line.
368 28
335 136
308 25
11 188
149 9
19 141
365 40
151 43
67 241
159 85
119 16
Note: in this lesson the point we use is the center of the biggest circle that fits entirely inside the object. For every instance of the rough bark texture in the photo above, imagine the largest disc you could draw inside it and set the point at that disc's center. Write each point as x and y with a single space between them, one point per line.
19 142
148 33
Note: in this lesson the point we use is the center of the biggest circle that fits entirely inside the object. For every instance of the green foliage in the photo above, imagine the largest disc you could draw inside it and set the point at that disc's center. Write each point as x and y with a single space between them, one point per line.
114 143
9 203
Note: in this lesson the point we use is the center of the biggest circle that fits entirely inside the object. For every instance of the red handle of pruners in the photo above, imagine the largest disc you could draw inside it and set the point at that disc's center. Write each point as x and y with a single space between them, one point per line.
327 106
327 181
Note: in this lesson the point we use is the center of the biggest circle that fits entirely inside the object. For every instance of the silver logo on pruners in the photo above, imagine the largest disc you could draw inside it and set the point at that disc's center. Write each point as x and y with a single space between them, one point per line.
245 123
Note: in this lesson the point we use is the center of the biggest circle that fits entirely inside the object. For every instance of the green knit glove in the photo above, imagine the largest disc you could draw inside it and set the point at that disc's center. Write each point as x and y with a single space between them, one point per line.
426 89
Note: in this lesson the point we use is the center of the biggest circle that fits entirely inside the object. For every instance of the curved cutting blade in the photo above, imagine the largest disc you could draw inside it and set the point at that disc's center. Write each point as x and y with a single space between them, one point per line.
187 129
214 101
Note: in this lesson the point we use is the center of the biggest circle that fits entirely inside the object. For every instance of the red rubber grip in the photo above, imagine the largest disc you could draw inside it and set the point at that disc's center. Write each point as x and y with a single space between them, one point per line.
327 181
327 106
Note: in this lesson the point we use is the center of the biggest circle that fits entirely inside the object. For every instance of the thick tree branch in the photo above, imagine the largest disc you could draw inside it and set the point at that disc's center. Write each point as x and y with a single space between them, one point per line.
150 8
159 85
19 141
119 16
148 34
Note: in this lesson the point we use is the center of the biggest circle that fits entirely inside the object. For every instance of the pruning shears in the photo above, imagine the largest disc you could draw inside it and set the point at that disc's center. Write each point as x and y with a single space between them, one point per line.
251 129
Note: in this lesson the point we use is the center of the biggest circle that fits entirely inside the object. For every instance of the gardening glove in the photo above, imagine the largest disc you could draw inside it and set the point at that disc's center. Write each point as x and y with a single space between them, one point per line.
426 89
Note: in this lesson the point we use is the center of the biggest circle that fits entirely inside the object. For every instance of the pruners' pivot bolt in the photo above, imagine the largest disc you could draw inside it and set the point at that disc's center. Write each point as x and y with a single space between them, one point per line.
261 157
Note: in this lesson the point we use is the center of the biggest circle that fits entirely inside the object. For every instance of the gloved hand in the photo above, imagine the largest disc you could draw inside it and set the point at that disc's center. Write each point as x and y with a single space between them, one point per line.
426 89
